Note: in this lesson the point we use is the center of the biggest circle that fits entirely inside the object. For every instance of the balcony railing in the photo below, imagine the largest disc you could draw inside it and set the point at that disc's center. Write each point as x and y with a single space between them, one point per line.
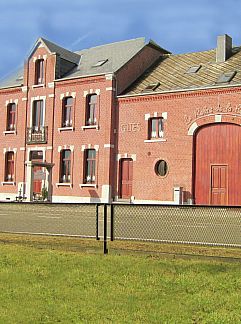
37 135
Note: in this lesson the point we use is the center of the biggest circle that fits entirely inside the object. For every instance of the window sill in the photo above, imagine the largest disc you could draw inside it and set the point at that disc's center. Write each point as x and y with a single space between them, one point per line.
62 129
9 132
38 86
90 127
8 183
92 185
155 140
64 184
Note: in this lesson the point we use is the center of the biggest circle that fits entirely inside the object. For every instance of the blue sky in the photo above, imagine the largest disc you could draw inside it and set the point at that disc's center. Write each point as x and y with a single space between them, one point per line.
177 25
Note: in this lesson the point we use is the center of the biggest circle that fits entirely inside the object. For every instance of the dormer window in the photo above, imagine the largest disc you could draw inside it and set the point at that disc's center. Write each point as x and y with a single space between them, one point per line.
151 87
39 71
99 63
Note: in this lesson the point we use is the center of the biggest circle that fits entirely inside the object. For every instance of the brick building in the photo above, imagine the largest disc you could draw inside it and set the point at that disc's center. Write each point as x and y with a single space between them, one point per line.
123 121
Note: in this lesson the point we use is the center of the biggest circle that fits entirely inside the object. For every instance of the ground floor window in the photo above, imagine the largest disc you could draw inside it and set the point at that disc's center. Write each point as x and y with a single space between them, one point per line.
90 166
9 167
65 166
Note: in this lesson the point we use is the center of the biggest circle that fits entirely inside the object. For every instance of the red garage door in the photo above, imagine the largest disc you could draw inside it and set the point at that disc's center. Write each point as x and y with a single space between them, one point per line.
218 165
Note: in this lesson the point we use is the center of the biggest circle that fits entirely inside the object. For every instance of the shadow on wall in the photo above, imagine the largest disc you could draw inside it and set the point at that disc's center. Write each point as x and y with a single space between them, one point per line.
94 197
187 197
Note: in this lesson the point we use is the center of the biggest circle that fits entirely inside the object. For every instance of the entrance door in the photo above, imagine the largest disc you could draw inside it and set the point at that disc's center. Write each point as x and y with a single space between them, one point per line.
126 177
219 185
37 156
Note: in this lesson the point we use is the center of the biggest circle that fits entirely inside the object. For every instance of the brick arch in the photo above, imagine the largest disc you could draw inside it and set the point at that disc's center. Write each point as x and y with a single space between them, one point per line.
213 119
216 167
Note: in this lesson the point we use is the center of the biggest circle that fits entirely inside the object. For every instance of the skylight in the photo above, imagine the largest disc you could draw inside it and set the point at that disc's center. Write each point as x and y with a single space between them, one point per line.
194 69
151 87
226 77
19 78
99 63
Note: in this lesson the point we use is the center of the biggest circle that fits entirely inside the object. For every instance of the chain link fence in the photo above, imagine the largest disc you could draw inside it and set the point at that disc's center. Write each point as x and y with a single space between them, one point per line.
178 224
49 219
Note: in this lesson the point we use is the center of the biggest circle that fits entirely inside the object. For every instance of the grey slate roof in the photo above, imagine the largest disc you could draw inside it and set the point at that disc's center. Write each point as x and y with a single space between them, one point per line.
117 54
14 79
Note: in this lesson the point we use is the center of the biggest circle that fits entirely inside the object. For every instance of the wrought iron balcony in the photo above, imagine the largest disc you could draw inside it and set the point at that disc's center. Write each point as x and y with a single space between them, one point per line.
37 135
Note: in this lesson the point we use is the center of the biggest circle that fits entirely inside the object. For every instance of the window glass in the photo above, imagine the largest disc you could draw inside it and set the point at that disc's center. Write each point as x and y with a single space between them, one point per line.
161 168
9 167
91 109
11 116
90 165
39 72
65 171
156 128
67 112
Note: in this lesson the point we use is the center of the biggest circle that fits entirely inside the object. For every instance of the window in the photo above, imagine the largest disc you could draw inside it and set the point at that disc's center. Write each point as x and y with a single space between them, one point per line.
65 166
91 109
151 87
156 128
67 112
90 165
161 168
39 72
11 117
9 167
193 69
99 63
226 77
37 115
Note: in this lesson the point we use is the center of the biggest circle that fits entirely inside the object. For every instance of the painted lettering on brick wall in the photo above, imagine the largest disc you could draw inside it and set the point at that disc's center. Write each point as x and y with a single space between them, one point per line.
205 111
130 127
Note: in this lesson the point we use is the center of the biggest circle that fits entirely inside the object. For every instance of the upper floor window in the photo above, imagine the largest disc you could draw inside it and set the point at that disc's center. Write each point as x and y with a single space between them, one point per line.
39 71
91 105
37 115
90 166
156 128
11 117
9 166
67 111
65 166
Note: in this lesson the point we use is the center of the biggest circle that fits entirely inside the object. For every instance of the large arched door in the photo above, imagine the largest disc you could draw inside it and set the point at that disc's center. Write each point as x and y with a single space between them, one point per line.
217 164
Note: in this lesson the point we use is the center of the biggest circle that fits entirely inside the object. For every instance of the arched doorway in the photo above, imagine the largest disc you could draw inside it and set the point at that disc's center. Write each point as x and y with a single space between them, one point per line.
217 164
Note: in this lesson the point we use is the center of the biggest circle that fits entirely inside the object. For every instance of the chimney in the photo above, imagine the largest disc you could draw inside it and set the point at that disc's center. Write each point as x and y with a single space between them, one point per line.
224 48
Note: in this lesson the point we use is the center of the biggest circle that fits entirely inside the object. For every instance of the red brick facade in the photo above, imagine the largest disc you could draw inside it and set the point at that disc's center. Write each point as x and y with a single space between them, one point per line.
121 130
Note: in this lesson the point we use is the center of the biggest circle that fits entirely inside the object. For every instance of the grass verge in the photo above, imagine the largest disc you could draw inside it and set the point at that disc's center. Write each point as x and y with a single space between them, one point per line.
60 284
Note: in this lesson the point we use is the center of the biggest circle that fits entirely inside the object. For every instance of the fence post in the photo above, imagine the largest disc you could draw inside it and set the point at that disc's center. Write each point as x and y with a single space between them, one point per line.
112 222
97 222
105 229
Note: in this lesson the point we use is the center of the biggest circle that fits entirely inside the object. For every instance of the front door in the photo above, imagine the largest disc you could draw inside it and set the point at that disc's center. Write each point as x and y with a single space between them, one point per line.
219 185
126 178
37 156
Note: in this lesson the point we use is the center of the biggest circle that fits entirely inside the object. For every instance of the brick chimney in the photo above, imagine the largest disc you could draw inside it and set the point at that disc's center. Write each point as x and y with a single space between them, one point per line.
224 48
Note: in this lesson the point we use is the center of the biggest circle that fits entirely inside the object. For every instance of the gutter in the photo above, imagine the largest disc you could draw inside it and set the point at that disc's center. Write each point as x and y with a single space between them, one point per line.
180 90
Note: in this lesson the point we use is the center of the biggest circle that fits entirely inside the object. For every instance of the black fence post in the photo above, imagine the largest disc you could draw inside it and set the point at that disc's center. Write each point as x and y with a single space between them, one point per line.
105 229
112 222
97 222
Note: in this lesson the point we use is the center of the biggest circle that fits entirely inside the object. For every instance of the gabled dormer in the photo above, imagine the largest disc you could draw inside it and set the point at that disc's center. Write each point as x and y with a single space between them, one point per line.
47 62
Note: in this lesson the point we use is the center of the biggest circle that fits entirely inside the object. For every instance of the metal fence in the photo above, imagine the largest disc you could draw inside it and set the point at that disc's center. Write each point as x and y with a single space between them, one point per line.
178 224
49 219
157 223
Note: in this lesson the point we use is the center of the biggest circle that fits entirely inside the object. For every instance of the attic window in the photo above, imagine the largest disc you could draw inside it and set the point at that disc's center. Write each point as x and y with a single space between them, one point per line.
151 87
99 63
226 77
194 69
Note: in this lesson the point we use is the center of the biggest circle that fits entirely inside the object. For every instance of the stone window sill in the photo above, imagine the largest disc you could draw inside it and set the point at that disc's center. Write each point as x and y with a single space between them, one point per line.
8 183
63 129
92 185
155 140
9 132
90 127
64 184
38 86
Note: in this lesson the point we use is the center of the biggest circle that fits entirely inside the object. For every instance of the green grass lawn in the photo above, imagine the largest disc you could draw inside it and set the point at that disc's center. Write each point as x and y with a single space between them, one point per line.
54 286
